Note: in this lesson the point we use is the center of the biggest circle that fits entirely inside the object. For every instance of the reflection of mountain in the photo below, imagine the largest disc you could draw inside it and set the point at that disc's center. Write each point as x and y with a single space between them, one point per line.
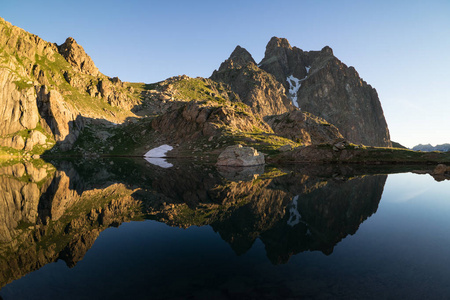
291 212
50 213
320 219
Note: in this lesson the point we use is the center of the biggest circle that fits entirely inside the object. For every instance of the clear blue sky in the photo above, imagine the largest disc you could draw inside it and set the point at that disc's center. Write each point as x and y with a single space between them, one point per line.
402 48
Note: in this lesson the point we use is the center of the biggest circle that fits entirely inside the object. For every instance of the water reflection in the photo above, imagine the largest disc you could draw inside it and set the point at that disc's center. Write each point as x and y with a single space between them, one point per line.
57 211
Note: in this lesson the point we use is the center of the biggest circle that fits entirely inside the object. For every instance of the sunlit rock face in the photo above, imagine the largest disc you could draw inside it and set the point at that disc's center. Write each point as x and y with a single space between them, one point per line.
330 90
256 88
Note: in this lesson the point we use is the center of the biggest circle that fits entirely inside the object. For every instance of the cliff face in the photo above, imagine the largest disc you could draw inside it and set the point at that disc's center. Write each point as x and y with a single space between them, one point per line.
51 90
321 84
256 88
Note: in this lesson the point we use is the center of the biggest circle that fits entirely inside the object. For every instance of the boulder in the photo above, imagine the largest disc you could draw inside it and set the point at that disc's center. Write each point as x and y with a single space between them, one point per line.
36 138
239 156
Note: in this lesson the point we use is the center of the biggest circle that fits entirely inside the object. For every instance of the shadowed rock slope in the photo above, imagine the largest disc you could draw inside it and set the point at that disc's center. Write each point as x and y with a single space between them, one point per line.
329 89
315 81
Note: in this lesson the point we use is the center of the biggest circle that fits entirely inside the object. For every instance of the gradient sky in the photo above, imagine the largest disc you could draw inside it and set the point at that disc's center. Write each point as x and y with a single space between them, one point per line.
401 48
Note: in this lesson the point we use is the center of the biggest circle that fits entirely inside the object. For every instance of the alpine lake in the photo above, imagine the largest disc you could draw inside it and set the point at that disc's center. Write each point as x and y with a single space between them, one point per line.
170 229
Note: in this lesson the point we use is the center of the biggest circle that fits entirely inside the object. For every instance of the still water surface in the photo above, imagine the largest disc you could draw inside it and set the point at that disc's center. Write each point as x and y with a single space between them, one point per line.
132 230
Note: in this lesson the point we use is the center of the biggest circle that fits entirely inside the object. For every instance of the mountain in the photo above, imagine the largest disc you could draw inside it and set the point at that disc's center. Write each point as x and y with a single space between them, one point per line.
429 148
316 82
54 99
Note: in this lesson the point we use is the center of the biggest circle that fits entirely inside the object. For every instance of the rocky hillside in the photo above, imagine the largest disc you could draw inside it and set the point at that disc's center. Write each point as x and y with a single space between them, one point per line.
49 92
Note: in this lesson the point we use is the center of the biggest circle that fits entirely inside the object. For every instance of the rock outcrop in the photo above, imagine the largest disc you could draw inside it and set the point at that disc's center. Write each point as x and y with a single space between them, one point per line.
77 57
256 88
322 85
304 128
239 156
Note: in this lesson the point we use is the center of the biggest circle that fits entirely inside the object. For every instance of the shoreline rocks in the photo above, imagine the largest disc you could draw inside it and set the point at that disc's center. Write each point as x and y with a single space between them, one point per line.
240 156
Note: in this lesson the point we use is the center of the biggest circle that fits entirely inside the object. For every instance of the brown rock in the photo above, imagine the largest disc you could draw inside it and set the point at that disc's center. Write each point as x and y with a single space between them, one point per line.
77 57
255 87
36 138
330 90
441 169
303 128
239 156
63 120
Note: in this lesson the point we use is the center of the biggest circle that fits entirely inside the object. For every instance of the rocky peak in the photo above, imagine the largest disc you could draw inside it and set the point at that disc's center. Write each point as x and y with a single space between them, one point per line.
327 49
276 42
282 61
77 57
255 87
240 57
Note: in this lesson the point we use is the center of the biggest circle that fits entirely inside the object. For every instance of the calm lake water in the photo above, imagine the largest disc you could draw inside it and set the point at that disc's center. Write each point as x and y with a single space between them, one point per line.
130 229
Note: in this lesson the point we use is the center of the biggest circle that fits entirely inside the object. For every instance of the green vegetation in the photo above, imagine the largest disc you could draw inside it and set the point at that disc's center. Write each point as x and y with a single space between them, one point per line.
268 143
23 85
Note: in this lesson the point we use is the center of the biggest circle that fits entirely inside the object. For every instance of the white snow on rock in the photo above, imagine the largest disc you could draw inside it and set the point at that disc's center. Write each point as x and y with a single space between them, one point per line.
307 69
160 162
294 215
294 86
159 151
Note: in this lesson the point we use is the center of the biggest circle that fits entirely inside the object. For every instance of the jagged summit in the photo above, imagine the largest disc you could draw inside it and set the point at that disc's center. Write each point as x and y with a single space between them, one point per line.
327 49
255 87
238 58
276 42
77 57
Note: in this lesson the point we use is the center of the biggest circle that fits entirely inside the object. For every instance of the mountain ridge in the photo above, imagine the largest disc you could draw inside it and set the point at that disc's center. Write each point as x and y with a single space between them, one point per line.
55 99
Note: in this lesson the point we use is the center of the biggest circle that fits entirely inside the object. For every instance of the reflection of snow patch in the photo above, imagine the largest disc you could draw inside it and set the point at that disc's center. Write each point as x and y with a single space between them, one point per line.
161 162
159 151
294 215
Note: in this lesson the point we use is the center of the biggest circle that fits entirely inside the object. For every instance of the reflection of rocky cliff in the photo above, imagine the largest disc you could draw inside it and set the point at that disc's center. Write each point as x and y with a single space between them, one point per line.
46 216
50 213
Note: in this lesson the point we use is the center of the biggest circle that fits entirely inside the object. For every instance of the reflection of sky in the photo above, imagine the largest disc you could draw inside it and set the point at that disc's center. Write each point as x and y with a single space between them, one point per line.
409 186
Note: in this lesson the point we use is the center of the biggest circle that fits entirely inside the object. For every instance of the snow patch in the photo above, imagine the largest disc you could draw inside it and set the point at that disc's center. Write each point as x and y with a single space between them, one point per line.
160 162
294 215
294 86
159 151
